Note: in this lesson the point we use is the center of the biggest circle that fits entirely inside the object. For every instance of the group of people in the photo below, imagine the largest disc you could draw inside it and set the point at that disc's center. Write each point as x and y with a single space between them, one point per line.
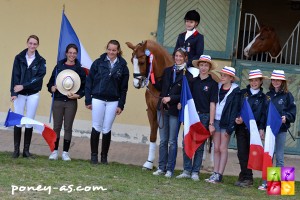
105 89
219 107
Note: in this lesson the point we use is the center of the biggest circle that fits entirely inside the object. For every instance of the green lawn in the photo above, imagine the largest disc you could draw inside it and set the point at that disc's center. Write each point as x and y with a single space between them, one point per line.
118 181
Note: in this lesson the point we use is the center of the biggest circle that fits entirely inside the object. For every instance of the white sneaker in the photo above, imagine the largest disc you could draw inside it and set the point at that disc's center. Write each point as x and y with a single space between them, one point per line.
211 178
168 174
184 174
54 155
195 176
158 172
65 156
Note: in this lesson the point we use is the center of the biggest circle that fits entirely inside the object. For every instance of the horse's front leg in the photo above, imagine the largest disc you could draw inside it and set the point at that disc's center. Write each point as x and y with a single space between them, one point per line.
152 116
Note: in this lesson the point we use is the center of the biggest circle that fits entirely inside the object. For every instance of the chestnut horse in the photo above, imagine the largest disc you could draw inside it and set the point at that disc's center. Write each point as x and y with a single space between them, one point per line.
143 69
265 41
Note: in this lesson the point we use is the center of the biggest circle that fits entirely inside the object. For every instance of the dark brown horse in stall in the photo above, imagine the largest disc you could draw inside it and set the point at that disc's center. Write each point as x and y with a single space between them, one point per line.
149 60
265 41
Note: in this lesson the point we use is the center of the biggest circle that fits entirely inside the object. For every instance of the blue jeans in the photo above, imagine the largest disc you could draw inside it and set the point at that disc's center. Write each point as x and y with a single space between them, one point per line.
168 141
188 164
279 149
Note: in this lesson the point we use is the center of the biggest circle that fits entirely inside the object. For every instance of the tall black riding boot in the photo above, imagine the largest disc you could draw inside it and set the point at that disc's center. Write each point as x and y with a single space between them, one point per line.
17 141
105 147
94 146
27 141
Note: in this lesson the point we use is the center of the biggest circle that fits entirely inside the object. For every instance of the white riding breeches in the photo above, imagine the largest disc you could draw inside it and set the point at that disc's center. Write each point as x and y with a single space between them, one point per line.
103 115
31 103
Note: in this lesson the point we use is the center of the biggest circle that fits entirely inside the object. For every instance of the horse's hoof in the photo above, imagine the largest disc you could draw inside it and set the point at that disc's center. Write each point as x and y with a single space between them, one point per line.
148 165
146 169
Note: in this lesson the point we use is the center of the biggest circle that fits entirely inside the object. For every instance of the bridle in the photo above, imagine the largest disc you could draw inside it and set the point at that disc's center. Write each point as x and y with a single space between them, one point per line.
143 79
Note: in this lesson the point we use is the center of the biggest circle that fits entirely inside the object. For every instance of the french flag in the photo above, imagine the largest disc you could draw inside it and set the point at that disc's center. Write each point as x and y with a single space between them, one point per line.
13 119
68 36
194 132
256 151
273 126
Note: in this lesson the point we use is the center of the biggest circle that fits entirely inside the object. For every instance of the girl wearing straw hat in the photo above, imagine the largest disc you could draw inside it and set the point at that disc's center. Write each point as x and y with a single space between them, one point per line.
203 89
27 76
284 102
226 112
253 93
67 85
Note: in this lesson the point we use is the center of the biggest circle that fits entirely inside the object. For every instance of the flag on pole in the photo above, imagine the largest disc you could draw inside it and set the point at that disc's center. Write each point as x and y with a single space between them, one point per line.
194 132
67 36
49 135
273 126
256 152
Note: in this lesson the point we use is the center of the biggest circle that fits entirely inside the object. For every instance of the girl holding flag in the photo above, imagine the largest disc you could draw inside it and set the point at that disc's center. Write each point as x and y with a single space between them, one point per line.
28 71
170 86
203 89
226 112
253 93
284 102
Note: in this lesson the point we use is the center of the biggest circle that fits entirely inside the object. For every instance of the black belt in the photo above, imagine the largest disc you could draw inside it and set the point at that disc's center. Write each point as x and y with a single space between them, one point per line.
28 93
201 113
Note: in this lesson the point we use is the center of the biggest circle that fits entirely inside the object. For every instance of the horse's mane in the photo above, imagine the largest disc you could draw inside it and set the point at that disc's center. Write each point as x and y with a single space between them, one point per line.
154 46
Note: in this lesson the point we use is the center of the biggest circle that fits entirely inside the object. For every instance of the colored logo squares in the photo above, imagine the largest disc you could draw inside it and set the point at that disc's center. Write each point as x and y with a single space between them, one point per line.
274 174
287 173
274 188
281 181
287 187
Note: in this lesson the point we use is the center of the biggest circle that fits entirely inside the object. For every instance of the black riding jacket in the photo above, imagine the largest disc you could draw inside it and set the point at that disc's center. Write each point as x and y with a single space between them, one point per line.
107 84
285 105
60 67
258 104
31 77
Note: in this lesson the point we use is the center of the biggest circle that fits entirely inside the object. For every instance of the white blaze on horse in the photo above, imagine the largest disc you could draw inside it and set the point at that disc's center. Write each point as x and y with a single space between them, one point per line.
149 61
265 41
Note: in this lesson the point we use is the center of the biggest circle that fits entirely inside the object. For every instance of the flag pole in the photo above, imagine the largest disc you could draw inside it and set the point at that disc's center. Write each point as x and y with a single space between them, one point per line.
51 107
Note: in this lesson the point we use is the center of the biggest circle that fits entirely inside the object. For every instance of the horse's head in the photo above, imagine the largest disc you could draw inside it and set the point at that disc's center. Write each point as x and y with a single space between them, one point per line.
140 64
265 41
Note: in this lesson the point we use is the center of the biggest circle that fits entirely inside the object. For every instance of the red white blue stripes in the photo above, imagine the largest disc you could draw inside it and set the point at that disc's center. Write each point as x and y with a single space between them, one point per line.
68 36
228 70
273 126
256 151
13 119
194 132
255 74
278 74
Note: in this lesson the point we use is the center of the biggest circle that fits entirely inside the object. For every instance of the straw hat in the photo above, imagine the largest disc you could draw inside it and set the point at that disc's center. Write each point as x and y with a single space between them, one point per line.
229 71
205 58
68 81
256 74
278 74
